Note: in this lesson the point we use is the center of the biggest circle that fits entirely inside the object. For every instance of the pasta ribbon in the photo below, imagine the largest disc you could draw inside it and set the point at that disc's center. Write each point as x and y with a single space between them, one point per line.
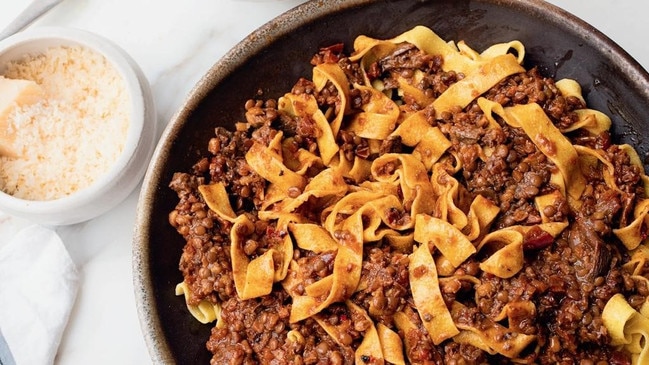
594 121
428 41
360 170
459 58
267 162
474 339
489 108
411 176
639 258
371 347
514 311
205 311
439 234
501 49
346 268
477 83
634 234
590 159
328 185
412 129
550 199
216 198
364 213
305 106
357 170
627 328
549 140
636 161
336 287
251 278
327 72
379 116
491 336
427 296
410 91
429 142
301 160
391 345
410 331
570 87
482 71
378 212
347 206
447 188
509 259
481 213
312 237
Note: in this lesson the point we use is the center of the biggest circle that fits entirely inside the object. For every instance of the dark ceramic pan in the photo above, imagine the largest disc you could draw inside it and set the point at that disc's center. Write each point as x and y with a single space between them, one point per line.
272 59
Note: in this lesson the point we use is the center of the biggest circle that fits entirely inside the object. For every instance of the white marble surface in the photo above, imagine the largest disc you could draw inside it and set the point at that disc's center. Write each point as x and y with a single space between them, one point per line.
175 42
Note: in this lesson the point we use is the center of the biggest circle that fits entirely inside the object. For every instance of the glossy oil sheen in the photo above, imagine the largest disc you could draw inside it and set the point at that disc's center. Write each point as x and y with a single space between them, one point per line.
272 59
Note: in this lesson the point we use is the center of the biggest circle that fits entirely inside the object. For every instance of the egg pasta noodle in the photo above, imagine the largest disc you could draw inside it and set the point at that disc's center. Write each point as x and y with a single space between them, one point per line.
326 203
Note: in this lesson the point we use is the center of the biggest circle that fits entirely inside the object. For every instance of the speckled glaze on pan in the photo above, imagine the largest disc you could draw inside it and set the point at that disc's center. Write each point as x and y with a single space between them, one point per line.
273 57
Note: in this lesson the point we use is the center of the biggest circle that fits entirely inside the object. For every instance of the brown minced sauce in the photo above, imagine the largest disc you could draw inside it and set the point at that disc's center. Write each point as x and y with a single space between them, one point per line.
569 278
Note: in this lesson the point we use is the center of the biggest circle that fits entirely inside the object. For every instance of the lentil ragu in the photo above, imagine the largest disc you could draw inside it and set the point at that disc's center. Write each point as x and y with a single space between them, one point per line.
568 278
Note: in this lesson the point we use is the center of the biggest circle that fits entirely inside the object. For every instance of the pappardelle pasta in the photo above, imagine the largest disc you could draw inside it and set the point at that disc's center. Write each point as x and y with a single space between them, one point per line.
418 202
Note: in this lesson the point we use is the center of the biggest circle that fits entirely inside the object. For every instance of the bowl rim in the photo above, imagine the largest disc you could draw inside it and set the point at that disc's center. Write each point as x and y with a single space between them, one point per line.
53 36
283 24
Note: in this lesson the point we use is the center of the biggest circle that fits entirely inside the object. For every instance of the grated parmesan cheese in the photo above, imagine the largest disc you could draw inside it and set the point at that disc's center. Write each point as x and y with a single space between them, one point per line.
74 133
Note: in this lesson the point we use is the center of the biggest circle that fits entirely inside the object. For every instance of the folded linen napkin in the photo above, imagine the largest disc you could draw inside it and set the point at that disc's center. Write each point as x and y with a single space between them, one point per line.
38 286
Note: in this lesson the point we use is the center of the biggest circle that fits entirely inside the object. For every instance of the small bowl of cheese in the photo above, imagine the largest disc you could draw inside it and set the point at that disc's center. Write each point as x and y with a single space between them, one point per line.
77 125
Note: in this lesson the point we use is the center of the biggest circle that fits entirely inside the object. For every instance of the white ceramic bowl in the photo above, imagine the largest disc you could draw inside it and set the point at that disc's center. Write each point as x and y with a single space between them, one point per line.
126 172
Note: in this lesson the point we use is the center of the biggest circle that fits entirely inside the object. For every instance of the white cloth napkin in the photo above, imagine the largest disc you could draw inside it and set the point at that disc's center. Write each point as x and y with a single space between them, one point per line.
38 286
